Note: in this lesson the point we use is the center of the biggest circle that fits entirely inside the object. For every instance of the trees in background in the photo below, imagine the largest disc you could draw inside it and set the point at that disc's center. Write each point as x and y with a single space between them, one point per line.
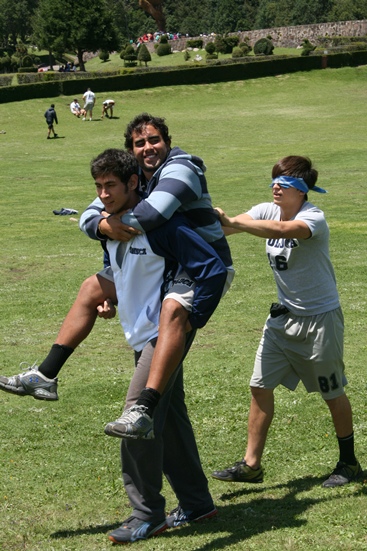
222 16
312 11
229 15
283 13
62 26
207 16
66 26
144 55
348 10
273 14
15 20
189 17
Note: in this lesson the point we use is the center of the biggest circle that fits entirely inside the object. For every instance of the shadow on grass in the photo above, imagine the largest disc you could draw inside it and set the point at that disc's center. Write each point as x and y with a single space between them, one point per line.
295 486
243 520
88 530
236 523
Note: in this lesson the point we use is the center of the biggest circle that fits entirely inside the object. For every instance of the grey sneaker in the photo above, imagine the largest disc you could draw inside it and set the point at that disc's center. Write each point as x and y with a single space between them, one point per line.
240 472
179 516
343 474
32 383
133 423
134 529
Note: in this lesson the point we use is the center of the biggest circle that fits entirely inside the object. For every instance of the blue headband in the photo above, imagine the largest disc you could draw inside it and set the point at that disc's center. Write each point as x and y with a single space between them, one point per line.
298 183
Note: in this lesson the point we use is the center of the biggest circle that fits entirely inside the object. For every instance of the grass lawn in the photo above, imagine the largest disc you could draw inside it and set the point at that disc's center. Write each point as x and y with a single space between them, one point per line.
61 487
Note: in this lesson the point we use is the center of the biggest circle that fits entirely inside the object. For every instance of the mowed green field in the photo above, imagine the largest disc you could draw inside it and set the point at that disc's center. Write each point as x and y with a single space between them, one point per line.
61 487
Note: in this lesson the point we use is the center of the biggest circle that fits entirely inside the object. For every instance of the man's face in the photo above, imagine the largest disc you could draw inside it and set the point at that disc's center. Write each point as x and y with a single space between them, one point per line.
286 197
149 149
114 194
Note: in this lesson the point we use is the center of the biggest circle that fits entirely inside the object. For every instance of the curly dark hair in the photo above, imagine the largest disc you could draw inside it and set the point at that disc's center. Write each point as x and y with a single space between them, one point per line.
140 122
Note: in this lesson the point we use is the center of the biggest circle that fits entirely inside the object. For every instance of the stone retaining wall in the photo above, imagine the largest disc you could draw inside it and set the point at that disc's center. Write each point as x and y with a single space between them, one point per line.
291 37
288 37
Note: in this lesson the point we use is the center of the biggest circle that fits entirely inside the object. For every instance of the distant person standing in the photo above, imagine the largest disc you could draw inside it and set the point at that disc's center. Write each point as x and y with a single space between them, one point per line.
89 101
51 117
107 105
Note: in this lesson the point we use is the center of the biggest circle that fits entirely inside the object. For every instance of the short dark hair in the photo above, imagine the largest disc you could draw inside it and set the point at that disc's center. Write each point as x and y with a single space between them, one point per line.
297 166
52 105
118 162
140 122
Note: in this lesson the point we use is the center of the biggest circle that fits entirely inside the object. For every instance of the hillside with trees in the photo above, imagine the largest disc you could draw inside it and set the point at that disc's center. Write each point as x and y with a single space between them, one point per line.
222 16
64 26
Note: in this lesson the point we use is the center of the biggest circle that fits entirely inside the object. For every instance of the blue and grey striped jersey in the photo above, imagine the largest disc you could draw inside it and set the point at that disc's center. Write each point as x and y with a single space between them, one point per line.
180 185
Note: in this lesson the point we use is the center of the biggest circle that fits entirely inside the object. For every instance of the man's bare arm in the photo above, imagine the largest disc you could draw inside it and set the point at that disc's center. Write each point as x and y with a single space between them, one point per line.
112 227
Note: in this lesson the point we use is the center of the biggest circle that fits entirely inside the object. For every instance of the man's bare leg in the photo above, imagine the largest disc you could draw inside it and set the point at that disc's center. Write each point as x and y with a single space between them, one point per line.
341 413
96 297
91 301
170 344
260 418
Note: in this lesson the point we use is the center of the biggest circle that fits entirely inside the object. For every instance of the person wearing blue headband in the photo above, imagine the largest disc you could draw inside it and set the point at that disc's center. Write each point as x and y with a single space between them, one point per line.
290 181
302 338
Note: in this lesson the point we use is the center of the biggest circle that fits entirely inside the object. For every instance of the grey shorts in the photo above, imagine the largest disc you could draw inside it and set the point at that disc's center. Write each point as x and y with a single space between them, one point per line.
302 348
89 106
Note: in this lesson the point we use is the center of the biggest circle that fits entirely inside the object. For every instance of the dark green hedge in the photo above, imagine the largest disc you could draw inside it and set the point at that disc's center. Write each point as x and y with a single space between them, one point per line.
6 80
29 91
216 71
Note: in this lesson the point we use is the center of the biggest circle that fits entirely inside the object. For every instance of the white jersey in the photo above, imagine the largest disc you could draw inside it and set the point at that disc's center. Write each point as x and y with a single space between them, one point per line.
302 268
138 275
89 96
74 105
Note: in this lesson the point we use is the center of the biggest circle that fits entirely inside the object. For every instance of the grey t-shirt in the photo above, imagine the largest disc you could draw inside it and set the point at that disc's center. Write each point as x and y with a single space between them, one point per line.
302 268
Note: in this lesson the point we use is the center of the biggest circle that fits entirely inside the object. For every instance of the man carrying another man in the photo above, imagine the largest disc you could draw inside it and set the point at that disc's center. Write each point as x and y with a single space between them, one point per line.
183 187
173 181
141 270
